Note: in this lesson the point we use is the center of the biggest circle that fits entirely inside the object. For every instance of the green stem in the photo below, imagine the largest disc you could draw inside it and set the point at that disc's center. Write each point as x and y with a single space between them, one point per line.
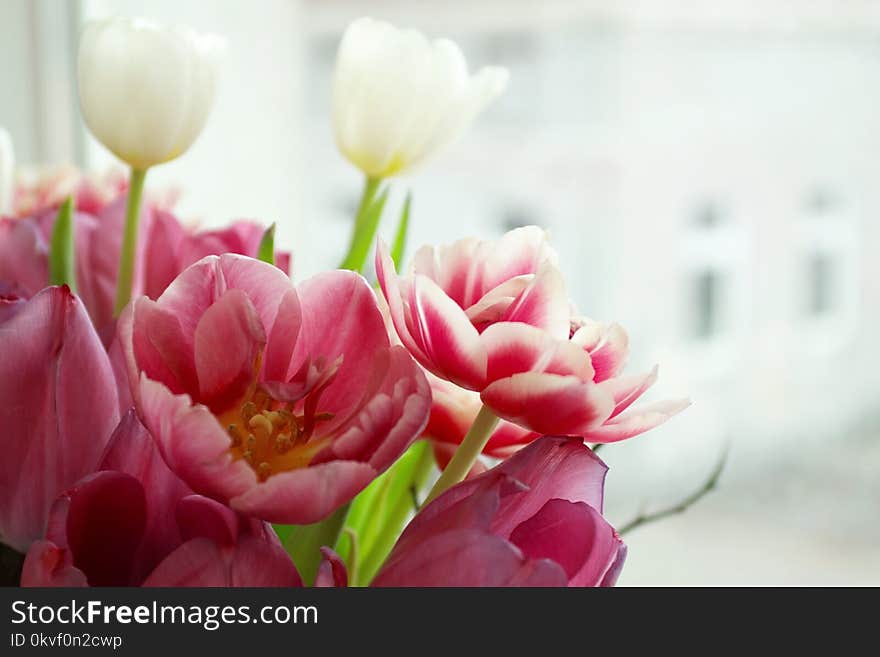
364 229
304 542
129 240
396 516
466 454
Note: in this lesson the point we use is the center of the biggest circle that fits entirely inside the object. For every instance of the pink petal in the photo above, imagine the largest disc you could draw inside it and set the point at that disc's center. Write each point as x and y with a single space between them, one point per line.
627 389
159 346
332 571
636 421
456 268
133 451
24 256
201 562
228 340
549 403
193 443
46 564
513 348
520 251
59 406
105 524
341 318
572 534
202 517
397 309
381 430
450 341
282 338
305 495
162 262
544 303
469 557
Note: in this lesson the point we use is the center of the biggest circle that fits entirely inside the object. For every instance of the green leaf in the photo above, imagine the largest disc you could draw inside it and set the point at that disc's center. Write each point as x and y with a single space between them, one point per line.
266 252
379 513
61 253
399 245
304 542
365 225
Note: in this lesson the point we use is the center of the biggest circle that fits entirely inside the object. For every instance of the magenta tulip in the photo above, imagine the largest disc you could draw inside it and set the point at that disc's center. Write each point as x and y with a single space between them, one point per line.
494 318
534 520
135 523
282 402
58 407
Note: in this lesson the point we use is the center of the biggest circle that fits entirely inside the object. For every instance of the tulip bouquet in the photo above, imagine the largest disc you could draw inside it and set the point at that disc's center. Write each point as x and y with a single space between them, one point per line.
178 412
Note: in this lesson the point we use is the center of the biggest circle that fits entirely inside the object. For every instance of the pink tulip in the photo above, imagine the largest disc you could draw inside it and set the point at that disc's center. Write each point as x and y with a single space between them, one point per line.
58 407
534 520
165 248
494 318
135 523
282 402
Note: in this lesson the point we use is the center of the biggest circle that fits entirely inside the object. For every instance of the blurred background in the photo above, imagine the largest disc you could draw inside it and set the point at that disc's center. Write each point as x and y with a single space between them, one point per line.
707 171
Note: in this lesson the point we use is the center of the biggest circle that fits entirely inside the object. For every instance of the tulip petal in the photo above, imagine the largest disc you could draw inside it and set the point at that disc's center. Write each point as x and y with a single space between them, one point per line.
133 451
549 403
326 299
305 495
636 421
192 442
46 564
58 407
332 571
105 525
451 341
469 557
572 534
513 348
390 285
627 389
544 303
228 340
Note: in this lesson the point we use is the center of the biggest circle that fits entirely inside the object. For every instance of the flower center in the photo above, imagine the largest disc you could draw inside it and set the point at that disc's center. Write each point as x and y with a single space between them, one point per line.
270 436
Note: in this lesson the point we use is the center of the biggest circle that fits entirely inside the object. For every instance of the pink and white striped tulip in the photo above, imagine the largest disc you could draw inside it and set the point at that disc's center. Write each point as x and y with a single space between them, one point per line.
282 402
494 318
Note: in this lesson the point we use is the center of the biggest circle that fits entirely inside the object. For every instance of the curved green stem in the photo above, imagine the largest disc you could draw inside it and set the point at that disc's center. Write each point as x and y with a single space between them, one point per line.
466 454
365 224
129 240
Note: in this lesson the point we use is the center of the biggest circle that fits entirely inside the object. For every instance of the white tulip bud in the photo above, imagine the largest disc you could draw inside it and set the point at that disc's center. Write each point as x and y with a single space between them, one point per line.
398 97
7 172
146 89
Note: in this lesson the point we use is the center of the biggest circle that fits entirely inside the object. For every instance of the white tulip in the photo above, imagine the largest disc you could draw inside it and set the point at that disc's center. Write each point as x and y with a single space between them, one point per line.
146 89
7 172
398 97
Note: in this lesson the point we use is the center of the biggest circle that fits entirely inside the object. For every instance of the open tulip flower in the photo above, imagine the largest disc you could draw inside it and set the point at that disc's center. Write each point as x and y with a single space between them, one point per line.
533 520
493 317
135 523
261 397
58 407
